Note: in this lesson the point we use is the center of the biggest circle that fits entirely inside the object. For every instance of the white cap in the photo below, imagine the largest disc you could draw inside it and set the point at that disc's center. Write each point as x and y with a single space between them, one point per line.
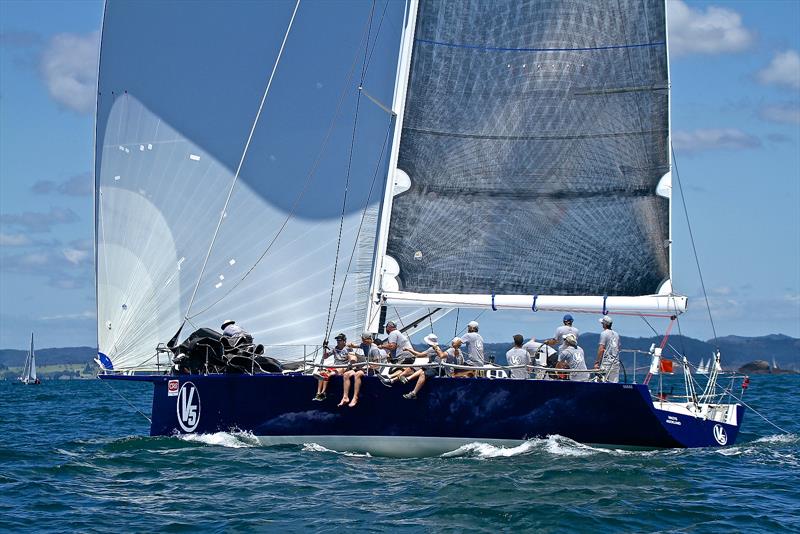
431 339
472 324
606 319
455 339
571 339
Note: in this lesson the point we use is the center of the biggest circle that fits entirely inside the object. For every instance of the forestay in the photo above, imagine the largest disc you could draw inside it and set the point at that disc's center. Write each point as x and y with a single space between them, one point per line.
179 87
533 168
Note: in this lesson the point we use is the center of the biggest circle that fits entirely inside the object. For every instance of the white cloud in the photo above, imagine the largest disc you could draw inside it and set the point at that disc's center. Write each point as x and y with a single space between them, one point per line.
713 139
787 113
784 69
88 314
13 240
74 255
713 31
69 67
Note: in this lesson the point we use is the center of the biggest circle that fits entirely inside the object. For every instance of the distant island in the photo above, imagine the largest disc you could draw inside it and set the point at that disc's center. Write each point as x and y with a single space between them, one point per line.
737 353
761 367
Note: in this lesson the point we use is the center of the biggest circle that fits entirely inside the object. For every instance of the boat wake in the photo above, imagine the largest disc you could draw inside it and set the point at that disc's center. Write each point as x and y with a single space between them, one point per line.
235 439
768 449
554 445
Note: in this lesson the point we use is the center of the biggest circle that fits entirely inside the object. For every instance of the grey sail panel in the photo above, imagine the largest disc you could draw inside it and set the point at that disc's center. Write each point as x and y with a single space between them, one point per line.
535 135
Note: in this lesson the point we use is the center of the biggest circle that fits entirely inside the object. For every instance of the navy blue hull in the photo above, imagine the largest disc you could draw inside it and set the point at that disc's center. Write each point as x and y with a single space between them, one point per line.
475 409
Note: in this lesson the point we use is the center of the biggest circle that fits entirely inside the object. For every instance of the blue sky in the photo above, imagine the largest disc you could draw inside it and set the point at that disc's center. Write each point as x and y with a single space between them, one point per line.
735 70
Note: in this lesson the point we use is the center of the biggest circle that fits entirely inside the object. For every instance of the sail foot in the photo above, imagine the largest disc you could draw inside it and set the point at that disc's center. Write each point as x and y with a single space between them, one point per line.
647 304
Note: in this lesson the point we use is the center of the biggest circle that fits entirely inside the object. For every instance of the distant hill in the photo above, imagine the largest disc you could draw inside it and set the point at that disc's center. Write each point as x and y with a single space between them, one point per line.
55 356
736 350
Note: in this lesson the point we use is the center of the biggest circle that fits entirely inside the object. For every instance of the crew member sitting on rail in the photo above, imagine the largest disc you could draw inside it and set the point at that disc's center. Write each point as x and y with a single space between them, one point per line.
430 355
608 352
371 353
517 355
340 355
455 356
403 374
571 357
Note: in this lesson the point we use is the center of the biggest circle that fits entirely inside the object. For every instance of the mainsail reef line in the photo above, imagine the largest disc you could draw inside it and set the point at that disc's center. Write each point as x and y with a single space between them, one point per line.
241 160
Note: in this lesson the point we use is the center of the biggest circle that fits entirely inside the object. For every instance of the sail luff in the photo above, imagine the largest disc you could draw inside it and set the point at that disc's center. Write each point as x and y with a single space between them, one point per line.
27 366
669 143
398 105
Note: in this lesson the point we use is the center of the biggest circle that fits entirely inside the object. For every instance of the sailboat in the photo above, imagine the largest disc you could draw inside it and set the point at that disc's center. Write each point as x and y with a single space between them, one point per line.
29 371
522 164
702 368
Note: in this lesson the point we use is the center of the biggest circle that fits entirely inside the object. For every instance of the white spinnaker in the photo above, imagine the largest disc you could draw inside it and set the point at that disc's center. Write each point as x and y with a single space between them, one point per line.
156 214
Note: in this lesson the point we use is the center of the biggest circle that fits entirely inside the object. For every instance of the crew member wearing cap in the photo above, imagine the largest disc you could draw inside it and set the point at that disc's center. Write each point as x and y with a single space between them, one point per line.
473 348
572 358
231 329
397 344
561 331
608 351
341 354
236 334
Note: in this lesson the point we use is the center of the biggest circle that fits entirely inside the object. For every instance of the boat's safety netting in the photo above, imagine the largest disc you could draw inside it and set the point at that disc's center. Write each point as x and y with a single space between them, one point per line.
535 134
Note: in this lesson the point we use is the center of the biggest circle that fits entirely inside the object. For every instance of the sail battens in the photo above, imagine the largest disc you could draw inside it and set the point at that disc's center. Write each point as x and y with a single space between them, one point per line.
562 137
529 49
534 166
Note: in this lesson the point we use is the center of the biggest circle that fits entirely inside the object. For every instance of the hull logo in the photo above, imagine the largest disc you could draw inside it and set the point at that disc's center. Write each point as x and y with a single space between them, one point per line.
720 435
188 407
172 388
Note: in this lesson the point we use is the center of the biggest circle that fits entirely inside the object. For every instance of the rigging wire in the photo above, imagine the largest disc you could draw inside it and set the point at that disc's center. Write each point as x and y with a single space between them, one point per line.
312 171
241 160
694 248
127 401
363 217
328 322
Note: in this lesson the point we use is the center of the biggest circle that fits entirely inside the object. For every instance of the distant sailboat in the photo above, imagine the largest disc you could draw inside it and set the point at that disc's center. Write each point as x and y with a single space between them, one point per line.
29 371
774 364
702 368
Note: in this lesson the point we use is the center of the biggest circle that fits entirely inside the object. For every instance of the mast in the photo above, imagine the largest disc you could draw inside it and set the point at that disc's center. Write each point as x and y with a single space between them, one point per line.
398 105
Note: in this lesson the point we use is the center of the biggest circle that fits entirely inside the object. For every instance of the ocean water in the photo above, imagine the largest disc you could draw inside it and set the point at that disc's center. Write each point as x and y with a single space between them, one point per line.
75 457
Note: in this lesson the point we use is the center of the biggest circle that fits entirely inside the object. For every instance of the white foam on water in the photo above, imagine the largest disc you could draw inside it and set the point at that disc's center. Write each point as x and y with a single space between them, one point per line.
316 447
234 440
777 438
555 445
486 450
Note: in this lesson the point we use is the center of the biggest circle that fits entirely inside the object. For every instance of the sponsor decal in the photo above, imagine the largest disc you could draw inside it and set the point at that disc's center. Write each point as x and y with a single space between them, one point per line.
188 407
172 388
720 435
672 420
